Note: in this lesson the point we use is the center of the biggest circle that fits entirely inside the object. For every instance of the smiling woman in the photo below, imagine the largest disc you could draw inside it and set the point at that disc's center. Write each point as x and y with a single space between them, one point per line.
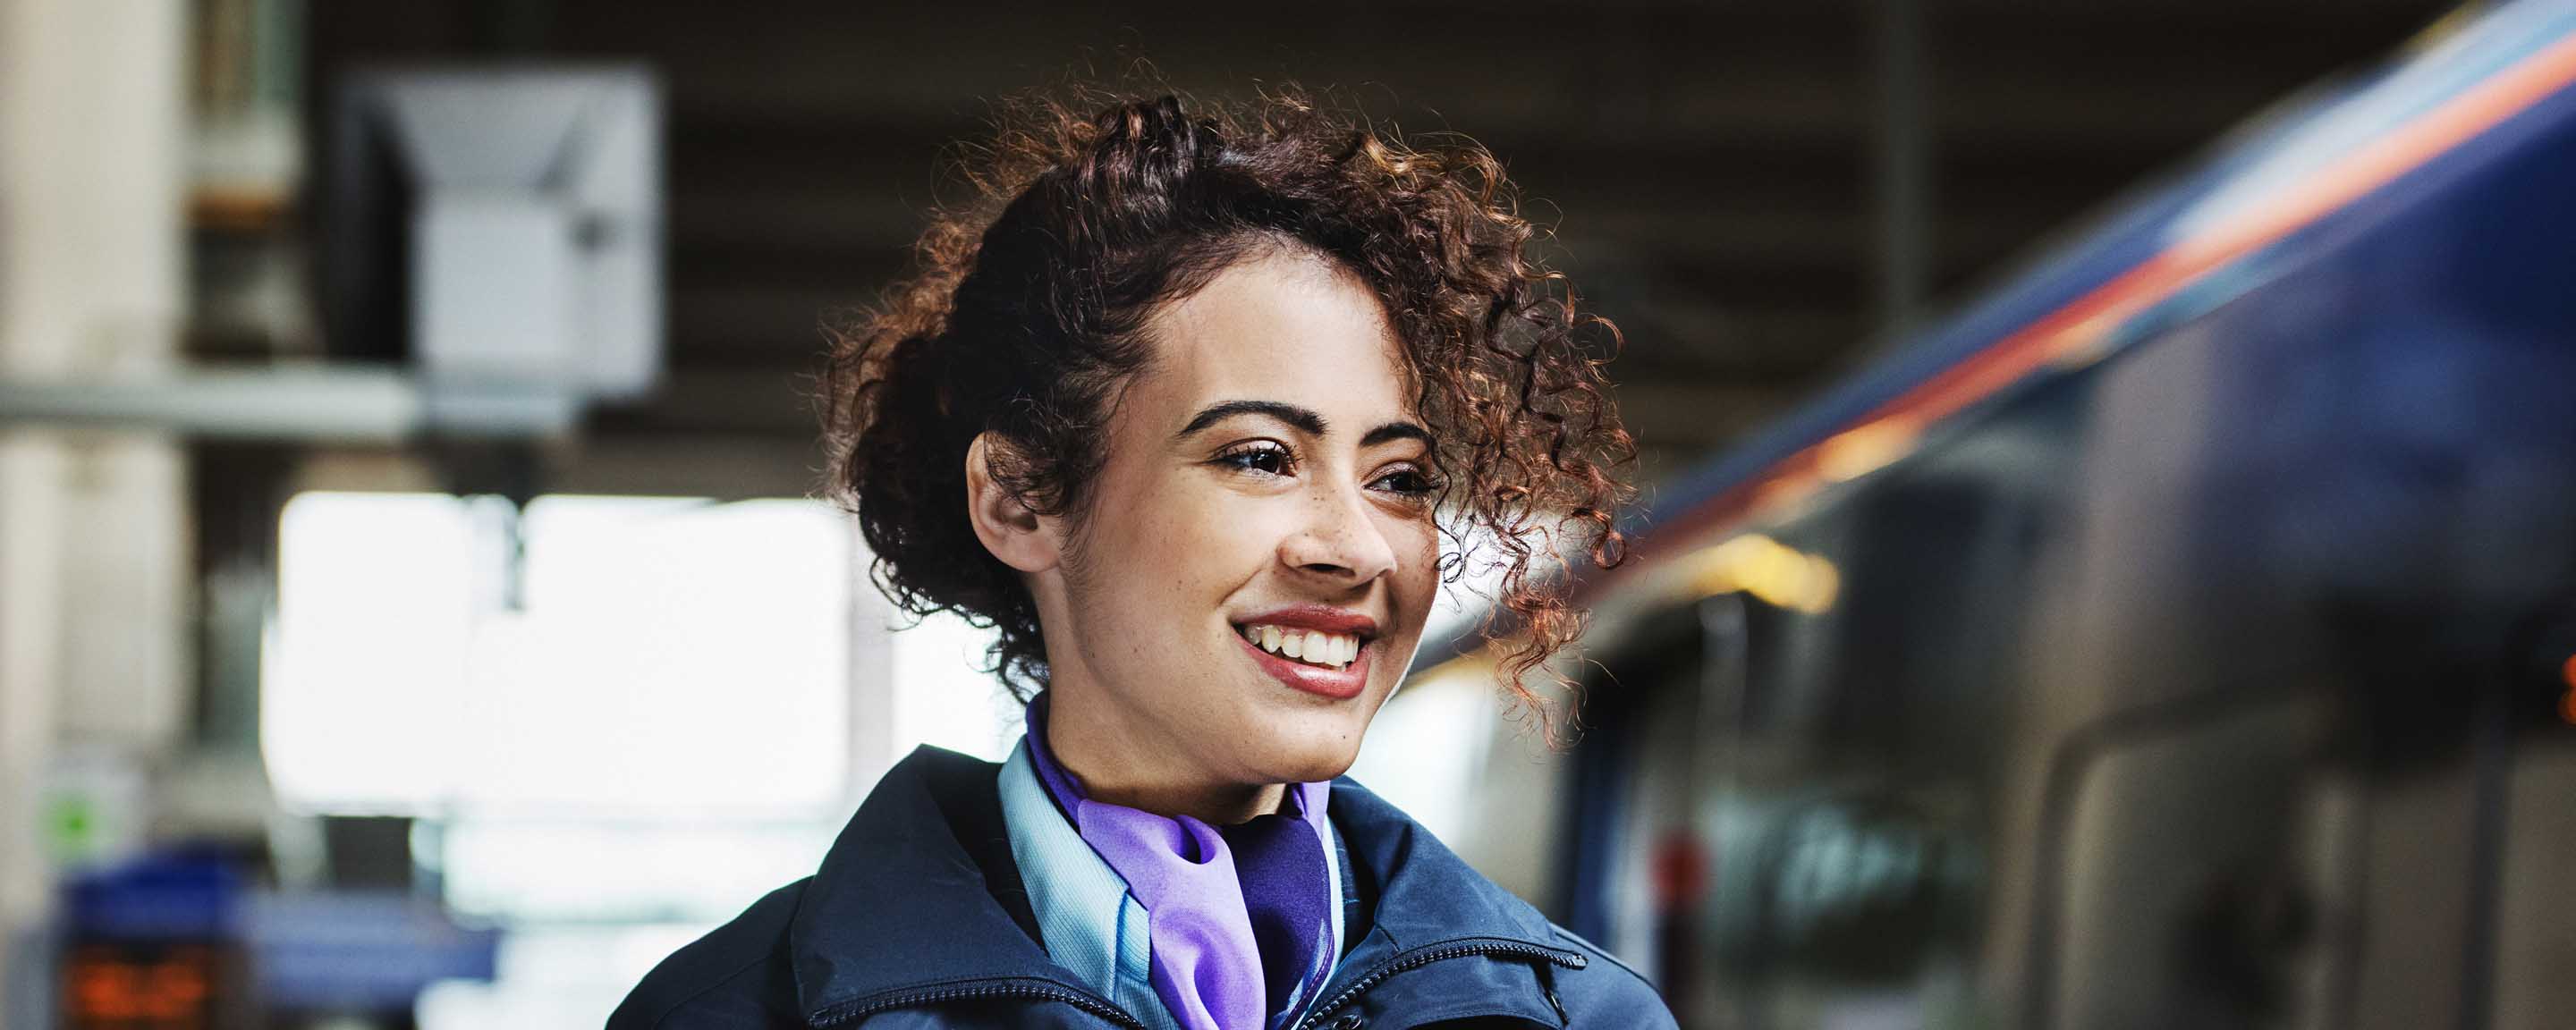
1270 477
1182 411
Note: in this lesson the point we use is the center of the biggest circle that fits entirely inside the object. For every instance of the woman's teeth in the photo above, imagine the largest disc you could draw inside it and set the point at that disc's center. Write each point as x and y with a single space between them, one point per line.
1330 650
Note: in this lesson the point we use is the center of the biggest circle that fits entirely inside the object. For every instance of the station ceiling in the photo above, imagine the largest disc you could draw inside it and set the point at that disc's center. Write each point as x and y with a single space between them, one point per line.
1709 166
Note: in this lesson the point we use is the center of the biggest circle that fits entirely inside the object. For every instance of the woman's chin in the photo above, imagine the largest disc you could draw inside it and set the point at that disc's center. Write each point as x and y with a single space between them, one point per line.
1271 741
1303 757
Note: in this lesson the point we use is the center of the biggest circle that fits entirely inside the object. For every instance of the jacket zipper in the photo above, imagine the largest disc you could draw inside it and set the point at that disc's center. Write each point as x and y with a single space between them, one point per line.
932 996
1433 953
1086 1002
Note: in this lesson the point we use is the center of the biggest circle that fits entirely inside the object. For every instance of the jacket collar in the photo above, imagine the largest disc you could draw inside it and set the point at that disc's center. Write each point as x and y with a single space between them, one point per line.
928 849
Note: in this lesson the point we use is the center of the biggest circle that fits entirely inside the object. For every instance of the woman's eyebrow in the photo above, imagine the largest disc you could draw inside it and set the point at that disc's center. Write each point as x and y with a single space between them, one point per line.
1302 419
1393 431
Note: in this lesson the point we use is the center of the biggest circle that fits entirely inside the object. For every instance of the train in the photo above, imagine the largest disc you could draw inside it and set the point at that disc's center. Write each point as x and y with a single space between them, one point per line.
2180 635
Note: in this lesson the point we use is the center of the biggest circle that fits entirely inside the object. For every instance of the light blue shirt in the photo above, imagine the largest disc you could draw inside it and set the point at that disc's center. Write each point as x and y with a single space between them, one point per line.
1089 922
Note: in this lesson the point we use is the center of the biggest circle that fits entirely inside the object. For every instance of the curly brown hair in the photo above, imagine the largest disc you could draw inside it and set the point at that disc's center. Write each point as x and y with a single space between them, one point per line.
1027 310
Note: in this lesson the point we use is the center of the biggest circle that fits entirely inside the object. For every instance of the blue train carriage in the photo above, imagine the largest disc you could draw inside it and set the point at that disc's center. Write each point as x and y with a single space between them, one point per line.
2183 636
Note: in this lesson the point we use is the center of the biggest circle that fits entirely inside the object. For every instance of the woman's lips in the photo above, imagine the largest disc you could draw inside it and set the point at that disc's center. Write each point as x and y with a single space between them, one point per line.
1340 684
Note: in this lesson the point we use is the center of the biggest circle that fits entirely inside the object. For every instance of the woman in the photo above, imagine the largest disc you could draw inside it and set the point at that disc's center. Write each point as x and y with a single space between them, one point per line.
1176 420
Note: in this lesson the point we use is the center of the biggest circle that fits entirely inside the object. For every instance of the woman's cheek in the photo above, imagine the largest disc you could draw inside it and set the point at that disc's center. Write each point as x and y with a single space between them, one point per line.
1202 517
1418 569
1255 526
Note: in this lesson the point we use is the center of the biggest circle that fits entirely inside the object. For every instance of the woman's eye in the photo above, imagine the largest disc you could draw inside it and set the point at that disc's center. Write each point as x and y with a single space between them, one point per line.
1267 459
1411 483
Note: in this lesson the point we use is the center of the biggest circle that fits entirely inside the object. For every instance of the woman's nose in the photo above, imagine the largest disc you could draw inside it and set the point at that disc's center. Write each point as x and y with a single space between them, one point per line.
1339 539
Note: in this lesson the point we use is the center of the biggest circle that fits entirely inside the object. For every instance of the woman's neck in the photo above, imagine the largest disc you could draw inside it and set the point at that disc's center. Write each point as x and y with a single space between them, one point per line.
1115 767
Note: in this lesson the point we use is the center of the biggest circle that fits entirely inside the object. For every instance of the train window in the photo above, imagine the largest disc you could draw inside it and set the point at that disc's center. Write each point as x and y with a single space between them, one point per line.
2188 858
1785 810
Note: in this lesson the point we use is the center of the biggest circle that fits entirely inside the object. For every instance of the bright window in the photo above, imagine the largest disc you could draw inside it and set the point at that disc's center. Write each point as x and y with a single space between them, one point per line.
651 657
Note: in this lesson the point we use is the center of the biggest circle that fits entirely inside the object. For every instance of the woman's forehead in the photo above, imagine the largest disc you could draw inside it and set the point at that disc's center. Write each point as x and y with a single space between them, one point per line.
1284 326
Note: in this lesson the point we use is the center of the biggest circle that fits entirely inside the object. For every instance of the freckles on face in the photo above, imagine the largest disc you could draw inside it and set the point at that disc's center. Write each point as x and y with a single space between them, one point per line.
1266 473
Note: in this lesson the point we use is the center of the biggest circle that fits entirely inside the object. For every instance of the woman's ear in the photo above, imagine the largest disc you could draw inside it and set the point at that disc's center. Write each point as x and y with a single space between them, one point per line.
1018 536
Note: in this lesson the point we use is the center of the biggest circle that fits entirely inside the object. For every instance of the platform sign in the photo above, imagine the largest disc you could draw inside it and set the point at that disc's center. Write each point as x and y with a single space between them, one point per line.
150 947
359 952
176 943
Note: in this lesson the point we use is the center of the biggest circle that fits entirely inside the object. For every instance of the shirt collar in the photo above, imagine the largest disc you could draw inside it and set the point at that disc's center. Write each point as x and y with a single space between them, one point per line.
930 848
1086 918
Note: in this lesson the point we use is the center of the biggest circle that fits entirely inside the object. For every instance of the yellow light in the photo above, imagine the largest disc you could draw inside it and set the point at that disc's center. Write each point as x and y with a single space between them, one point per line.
1776 573
1824 585
1864 449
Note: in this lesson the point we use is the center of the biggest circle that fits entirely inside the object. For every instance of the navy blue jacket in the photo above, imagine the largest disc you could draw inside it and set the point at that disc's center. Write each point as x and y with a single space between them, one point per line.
918 920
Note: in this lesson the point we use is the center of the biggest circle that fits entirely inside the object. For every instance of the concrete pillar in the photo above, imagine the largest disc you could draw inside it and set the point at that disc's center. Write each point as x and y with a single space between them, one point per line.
93 569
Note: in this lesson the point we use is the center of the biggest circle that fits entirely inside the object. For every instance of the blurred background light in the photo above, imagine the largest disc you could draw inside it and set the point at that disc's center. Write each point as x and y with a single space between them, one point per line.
666 656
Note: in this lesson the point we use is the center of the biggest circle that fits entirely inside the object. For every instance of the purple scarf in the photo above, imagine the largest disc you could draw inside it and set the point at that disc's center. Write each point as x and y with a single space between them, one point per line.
1239 917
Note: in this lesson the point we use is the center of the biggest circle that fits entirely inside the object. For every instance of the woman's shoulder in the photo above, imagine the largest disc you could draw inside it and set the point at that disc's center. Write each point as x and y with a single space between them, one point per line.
869 896
1606 991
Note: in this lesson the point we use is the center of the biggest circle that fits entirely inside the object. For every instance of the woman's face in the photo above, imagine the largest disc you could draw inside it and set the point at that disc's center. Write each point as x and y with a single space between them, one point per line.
1267 490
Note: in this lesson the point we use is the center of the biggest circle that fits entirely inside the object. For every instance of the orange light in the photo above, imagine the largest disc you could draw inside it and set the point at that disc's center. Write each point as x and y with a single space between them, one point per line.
2567 701
105 992
107 988
176 989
